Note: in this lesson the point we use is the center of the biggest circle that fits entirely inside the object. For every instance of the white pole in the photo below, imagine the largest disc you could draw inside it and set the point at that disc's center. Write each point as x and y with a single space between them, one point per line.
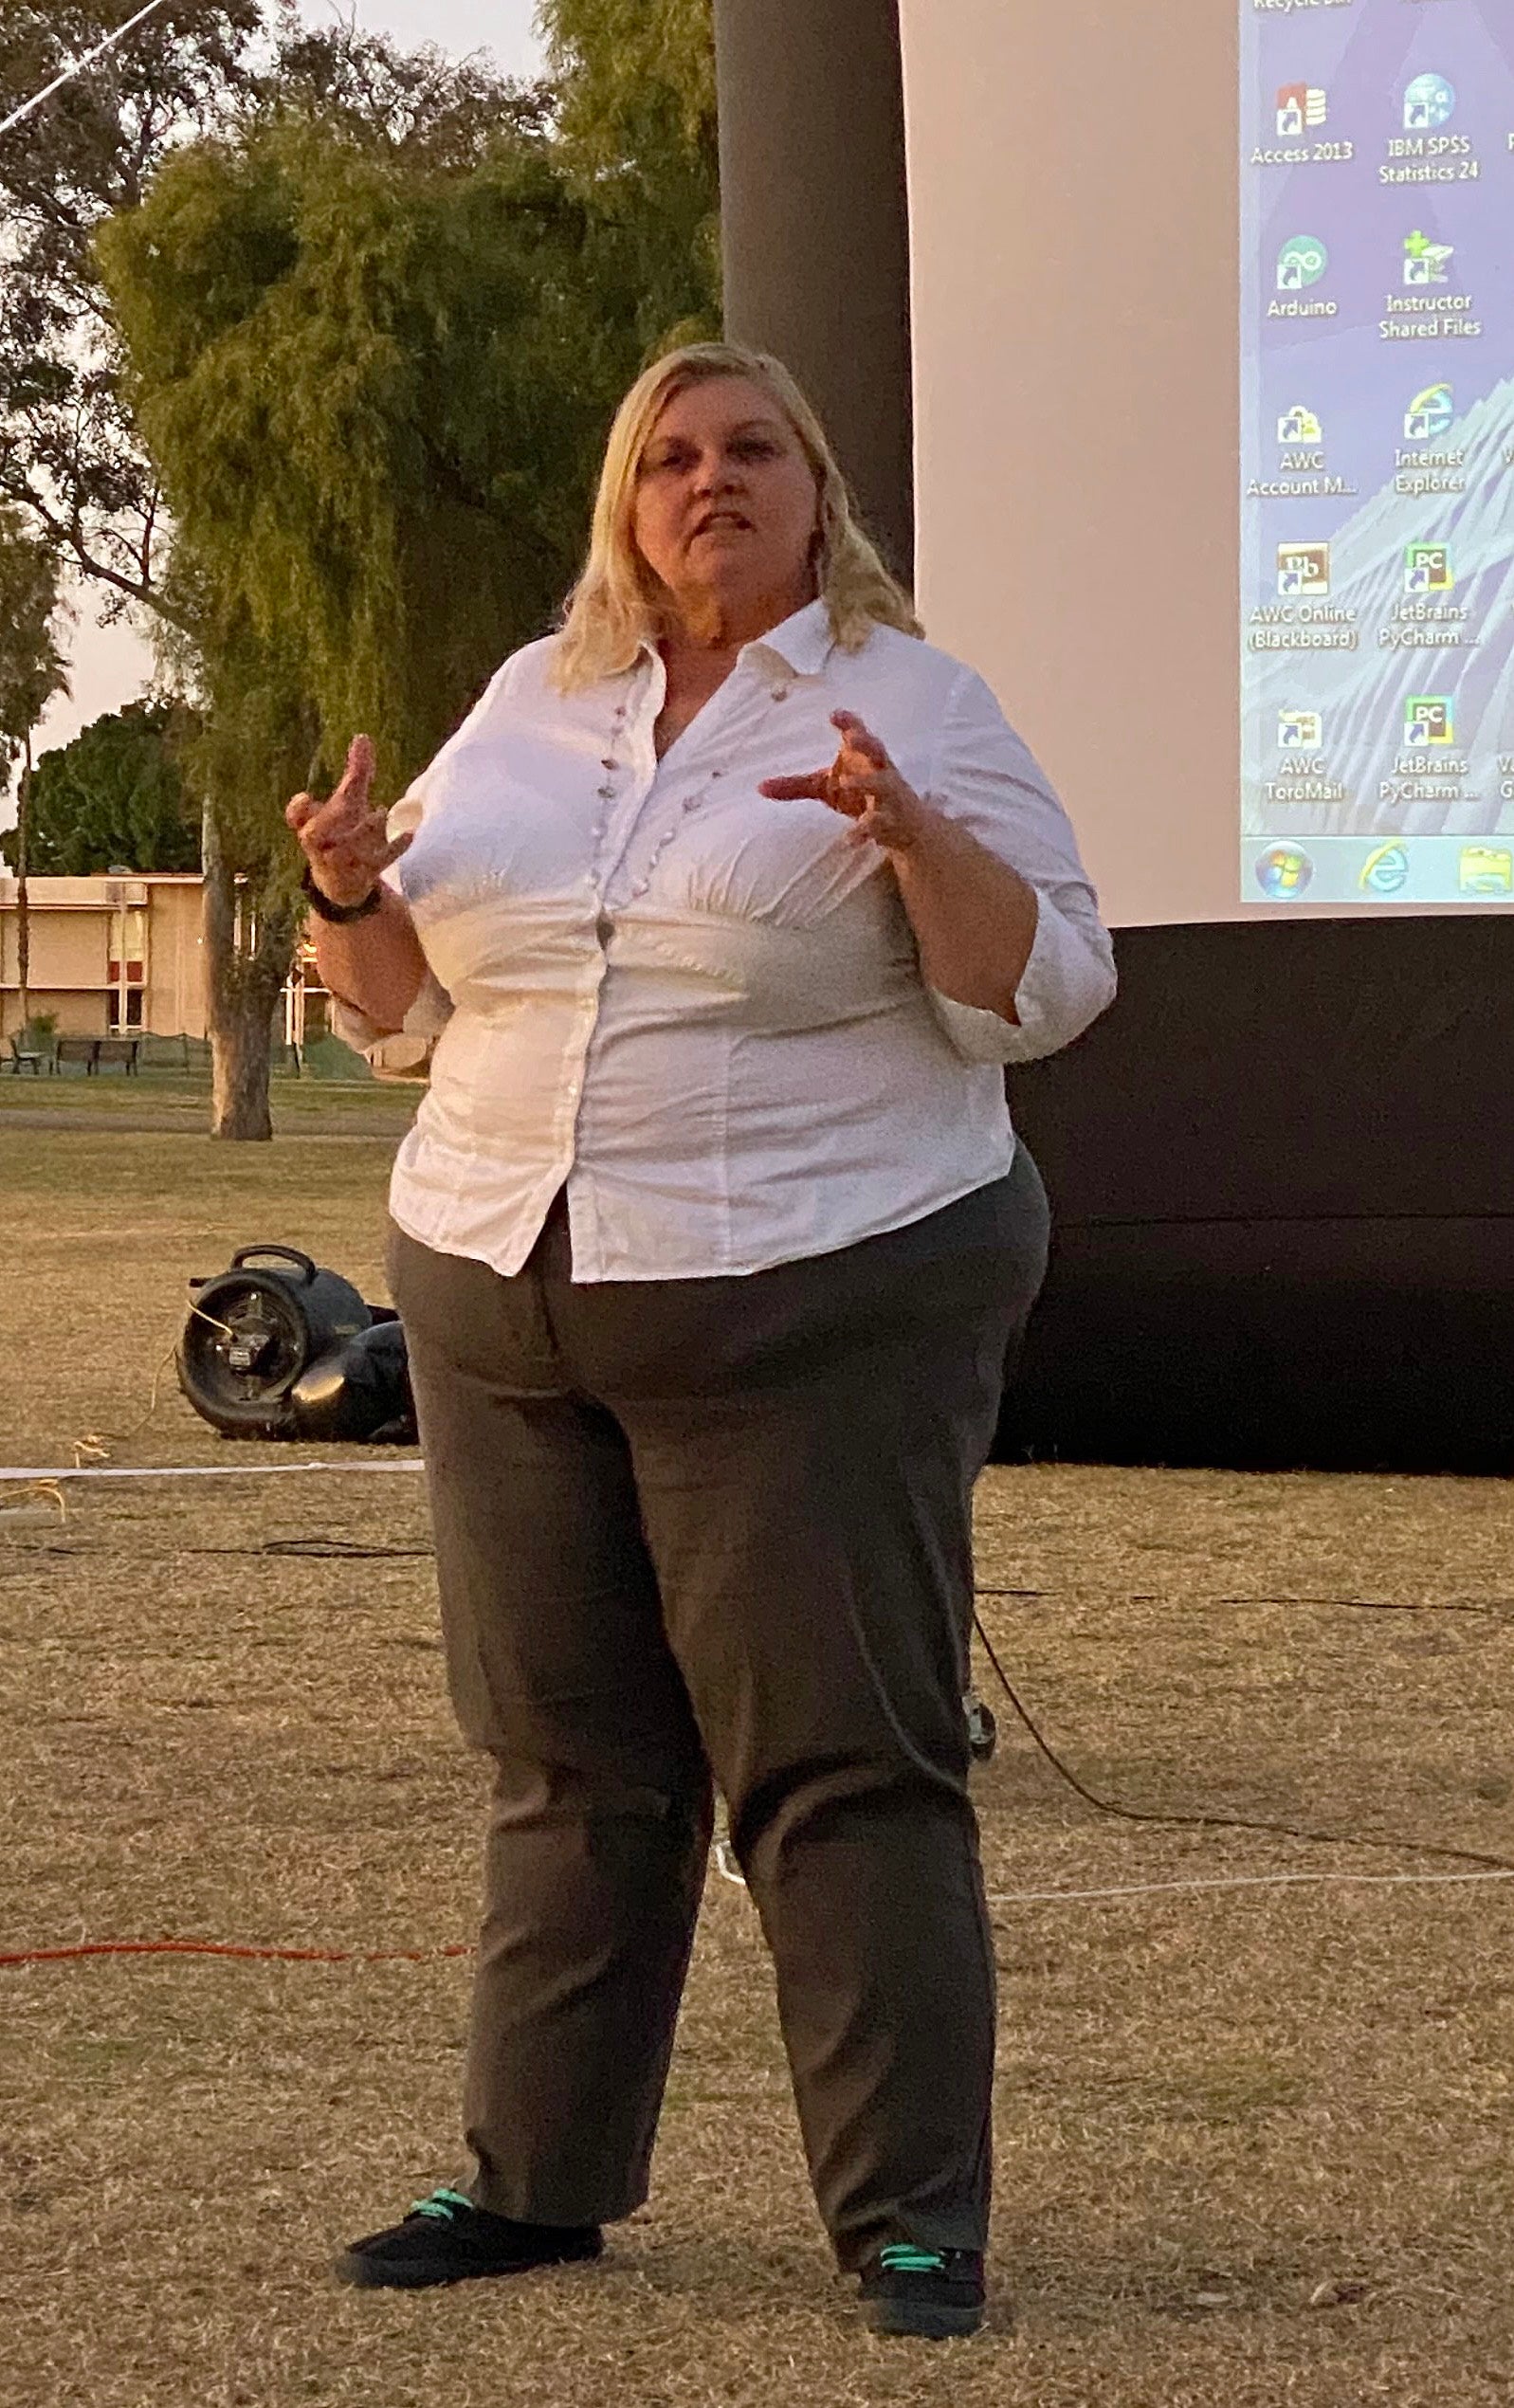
69 74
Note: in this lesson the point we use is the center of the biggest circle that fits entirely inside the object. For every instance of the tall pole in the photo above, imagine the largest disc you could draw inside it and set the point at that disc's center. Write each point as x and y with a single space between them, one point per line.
23 911
815 227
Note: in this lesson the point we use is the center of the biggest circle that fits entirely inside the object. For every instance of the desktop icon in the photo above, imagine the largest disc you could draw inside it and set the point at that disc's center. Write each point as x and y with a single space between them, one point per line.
1427 263
1430 414
1301 261
1429 719
1428 103
1301 731
1283 873
1428 569
1302 108
1385 872
1487 869
1302 571
1299 425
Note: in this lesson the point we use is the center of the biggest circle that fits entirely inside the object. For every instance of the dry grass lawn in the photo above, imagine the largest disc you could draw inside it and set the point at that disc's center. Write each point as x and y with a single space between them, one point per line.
1254 2144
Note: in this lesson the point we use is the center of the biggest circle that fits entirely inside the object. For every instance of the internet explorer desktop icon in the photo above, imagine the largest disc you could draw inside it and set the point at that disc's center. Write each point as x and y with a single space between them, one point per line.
1283 873
1429 719
1301 262
1430 414
1385 871
1427 263
1428 569
1302 571
1302 108
1299 425
1428 103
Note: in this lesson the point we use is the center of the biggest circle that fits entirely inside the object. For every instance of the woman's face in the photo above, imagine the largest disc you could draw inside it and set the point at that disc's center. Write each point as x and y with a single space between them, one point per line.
727 507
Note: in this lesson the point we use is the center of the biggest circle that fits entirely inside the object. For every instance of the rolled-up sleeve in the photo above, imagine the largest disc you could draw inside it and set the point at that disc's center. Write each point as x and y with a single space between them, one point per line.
987 780
409 1046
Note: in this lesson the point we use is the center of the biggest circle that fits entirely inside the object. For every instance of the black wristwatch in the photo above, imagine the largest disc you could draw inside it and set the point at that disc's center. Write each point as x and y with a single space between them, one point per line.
340 915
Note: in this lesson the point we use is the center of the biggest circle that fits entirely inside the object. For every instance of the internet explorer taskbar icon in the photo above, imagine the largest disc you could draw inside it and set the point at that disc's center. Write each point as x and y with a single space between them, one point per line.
1385 871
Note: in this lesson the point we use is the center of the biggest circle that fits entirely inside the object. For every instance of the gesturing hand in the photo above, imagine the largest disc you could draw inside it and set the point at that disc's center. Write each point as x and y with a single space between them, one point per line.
863 785
346 840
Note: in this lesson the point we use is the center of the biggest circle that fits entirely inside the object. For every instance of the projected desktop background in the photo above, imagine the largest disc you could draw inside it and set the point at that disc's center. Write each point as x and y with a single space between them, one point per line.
1378 436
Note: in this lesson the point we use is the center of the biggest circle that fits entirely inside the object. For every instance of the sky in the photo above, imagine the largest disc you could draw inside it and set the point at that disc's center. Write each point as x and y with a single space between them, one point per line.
111 665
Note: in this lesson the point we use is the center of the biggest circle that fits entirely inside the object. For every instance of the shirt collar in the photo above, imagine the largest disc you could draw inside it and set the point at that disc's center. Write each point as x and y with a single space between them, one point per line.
804 641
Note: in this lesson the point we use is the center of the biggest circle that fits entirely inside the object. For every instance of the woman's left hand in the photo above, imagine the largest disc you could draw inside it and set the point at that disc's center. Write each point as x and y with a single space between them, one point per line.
863 785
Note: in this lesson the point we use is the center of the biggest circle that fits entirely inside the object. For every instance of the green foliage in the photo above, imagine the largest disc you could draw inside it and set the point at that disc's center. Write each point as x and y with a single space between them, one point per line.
31 667
116 794
633 74
637 130
376 389
308 347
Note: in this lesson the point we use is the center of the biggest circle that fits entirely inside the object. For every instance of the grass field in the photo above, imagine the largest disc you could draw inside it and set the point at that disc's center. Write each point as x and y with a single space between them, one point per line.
1253 2144
168 1101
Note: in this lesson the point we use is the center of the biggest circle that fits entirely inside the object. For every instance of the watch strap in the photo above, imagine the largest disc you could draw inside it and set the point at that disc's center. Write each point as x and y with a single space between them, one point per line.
340 915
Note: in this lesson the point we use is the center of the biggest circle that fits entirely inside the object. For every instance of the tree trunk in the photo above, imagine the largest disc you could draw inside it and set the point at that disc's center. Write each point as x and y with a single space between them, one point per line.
246 966
23 909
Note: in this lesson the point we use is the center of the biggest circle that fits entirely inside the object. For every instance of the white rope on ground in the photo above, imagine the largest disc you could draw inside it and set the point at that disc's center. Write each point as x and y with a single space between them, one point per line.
1168 1888
214 1470
1235 1881
70 74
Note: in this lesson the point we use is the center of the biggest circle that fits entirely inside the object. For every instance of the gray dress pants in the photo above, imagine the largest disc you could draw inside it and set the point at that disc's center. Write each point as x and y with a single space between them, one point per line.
721 1528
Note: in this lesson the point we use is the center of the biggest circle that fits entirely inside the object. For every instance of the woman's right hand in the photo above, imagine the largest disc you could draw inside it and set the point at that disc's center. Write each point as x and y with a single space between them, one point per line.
346 840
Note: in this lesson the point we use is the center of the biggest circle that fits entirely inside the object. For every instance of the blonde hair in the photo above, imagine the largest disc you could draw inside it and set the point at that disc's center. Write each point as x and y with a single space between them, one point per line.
618 604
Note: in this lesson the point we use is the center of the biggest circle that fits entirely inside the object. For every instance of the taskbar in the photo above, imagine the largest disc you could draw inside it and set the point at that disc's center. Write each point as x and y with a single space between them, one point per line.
1417 871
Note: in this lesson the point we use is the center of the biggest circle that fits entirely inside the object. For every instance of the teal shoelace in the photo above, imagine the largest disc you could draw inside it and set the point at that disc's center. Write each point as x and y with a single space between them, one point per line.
443 2204
902 2257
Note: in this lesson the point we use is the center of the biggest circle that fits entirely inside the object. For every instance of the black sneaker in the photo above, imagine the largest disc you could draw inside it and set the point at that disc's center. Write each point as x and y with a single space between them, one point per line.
444 2238
934 2293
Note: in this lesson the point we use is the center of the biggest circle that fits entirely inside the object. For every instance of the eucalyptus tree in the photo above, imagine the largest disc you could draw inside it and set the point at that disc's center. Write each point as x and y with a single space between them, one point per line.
355 320
203 78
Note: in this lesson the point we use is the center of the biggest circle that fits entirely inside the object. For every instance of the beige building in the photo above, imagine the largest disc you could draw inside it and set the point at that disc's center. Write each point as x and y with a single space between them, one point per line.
108 955
118 954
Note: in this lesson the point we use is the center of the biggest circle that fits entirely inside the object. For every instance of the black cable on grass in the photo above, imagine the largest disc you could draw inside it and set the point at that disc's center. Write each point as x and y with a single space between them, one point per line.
1354 1605
352 1551
1221 1822
338 1550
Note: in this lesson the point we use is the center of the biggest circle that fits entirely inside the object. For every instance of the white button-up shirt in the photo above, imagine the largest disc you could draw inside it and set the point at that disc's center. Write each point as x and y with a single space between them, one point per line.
701 1011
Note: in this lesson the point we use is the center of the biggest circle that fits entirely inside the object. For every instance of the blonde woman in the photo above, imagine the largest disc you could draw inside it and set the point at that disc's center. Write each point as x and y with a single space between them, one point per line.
729 902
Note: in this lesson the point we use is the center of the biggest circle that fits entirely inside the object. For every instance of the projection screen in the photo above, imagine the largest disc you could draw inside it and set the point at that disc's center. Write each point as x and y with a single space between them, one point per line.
1213 324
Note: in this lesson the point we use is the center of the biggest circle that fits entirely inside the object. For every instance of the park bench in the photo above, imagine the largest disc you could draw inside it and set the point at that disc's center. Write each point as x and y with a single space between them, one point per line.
126 1051
92 1051
25 1057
